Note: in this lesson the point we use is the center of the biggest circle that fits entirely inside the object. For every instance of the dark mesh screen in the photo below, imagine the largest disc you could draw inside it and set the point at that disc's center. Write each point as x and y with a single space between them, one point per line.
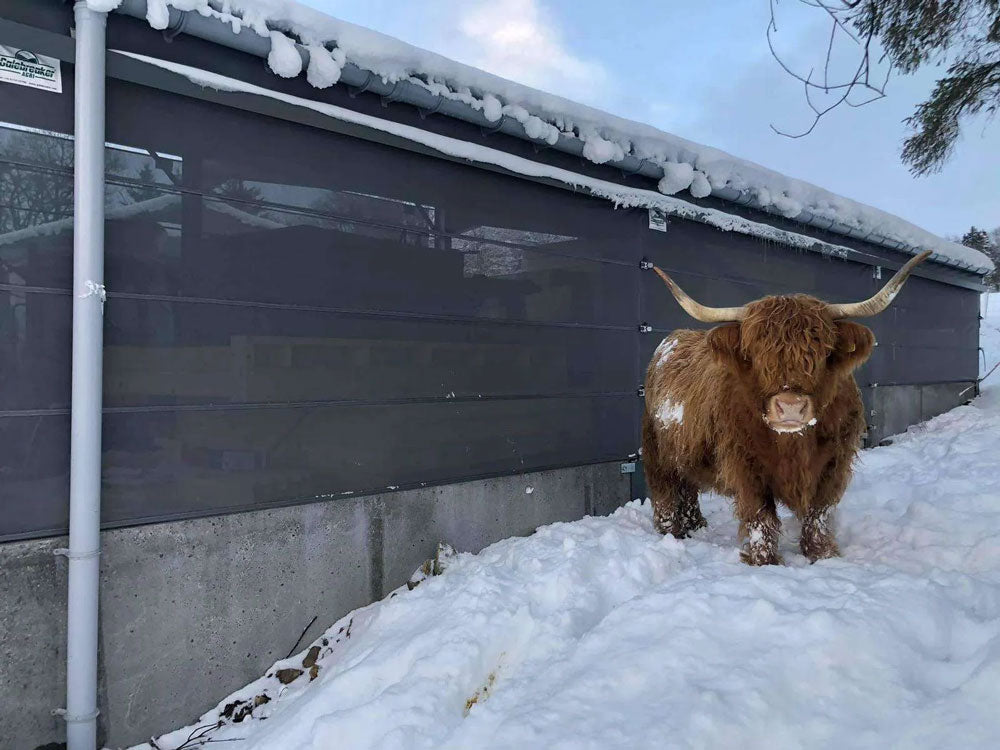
296 314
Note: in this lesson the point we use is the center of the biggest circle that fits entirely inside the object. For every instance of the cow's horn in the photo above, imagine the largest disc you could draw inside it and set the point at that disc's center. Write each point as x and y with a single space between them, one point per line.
699 311
880 301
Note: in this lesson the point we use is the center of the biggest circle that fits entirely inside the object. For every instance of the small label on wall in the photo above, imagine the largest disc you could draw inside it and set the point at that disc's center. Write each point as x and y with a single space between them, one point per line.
657 219
24 68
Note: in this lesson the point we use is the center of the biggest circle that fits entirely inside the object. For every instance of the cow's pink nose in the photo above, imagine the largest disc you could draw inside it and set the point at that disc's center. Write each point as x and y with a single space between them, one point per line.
791 405
789 410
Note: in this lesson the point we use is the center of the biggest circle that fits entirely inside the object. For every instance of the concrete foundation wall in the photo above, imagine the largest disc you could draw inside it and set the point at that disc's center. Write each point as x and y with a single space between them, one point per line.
896 407
192 610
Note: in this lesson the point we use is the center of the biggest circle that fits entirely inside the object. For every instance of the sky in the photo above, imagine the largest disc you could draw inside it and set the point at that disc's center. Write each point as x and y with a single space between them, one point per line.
703 70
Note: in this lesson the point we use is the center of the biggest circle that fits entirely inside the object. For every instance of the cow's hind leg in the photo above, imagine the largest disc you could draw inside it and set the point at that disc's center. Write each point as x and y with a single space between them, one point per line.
675 506
675 500
688 508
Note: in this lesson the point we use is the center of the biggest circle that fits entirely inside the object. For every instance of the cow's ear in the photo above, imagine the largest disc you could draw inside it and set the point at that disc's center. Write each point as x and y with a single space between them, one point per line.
725 344
853 347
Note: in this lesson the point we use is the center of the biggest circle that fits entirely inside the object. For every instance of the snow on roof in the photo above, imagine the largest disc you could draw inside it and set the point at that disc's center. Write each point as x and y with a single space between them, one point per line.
687 166
621 195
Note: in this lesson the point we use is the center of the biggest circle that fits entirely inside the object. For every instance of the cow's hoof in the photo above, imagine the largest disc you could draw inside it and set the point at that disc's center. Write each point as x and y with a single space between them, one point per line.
819 549
676 531
680 525
753 555
694 521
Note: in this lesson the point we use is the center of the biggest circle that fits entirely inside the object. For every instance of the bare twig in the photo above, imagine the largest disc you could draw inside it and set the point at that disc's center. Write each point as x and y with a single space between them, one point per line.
315 617
846 90
829 51
199 735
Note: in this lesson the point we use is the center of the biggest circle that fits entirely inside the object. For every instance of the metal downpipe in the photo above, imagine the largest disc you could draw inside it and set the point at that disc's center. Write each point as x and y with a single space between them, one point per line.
88 341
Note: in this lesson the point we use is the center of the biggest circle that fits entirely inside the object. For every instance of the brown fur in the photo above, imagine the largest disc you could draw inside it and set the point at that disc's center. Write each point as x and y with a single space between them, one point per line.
723 378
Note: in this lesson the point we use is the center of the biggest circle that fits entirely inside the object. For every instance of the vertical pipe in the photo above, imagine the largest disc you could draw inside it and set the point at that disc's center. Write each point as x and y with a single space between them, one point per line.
88 343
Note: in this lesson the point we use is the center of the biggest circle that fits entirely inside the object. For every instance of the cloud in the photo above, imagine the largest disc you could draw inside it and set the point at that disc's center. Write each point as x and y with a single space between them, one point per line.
521 40
853 152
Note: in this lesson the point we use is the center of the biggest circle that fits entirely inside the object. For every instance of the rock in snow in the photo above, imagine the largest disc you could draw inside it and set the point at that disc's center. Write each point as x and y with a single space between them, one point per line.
602 634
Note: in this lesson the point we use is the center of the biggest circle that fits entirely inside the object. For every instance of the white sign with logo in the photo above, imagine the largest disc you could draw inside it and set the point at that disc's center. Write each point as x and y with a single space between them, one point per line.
25 68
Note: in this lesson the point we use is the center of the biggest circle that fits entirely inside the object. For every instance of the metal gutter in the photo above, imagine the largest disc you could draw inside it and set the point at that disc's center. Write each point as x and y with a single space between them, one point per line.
84 550
215 30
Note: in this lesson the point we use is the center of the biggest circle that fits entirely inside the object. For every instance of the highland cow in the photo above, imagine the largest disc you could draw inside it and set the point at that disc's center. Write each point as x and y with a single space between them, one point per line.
763 409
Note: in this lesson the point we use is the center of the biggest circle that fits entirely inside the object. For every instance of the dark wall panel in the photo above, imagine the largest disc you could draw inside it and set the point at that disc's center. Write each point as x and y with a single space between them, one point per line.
35 339
295 314
185 245
317 317
34 474
161 464
929 334
162 353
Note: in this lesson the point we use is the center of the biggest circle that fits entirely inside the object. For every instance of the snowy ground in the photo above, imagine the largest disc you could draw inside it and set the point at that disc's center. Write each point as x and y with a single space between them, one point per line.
602 634
989 337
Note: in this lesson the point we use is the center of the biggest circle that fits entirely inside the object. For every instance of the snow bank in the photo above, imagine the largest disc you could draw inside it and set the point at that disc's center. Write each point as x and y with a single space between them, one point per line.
989 337
603 634
546 116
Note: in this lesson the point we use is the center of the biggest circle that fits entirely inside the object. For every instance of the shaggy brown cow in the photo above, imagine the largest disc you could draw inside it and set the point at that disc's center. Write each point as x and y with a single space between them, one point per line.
764 409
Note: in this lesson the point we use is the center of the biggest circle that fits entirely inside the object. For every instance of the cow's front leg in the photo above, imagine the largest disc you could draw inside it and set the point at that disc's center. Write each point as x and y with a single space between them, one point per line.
817 541
759 527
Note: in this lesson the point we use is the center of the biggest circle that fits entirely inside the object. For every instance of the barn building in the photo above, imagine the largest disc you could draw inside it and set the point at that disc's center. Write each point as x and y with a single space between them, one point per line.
356 299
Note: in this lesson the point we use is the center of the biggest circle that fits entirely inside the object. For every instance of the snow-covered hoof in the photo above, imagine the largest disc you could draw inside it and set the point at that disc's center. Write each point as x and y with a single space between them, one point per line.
678 525
669 526
818 547
817 541
761 546
691 520
753 555
665 521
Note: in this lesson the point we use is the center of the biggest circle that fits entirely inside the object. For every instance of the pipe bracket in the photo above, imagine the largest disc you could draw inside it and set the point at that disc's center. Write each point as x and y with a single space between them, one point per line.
490 131
637 170
425 113
70 555
76 718
176 28
95 289
353 91
392 96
